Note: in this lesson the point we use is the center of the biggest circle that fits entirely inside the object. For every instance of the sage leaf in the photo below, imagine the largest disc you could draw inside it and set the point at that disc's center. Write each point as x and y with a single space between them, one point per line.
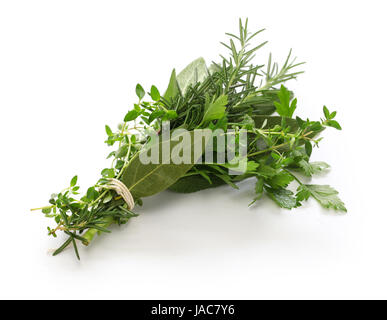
196 71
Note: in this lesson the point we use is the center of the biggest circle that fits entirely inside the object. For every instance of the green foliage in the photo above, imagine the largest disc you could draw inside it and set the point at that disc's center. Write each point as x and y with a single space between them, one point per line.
232 93
283 197
259 188
215 110
311 168
146 180
324 194
280 179
173 87
195 72
155 94
131 115
109 131
74 181
285 107
140 92
329 119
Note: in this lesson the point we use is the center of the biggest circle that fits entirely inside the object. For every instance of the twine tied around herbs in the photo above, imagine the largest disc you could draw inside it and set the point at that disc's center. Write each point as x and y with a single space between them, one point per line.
121 190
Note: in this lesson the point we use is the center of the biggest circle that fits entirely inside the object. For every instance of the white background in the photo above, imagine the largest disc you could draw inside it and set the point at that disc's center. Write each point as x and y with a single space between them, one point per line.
67 68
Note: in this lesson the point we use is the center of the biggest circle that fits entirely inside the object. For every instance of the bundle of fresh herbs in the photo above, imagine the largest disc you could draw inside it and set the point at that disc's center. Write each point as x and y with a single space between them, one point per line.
234 97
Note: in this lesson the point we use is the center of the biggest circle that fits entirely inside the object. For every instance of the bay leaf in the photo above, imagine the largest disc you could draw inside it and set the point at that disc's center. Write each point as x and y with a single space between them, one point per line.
195 183
144 180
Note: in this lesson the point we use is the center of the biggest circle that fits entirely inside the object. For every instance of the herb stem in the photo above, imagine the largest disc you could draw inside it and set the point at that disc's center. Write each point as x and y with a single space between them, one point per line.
268 149
42 208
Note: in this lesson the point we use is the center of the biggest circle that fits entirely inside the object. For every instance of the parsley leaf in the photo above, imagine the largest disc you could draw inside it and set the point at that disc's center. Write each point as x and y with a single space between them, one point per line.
285 108
310 168
283 197
282 179
258 190
216 109
324 194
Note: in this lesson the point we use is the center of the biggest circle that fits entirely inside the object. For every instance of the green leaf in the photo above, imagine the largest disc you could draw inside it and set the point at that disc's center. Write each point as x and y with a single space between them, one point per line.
281 179
325 195
252 166
283 197
131 115
310 168
92 194
333 124
73 181
293 124
155 94
275 156
46 210
63 246
284 97
326 112
195 71
303 193
140 92
284 107
173 87
308 148
247 122
272 121
108 173
266 171
144 180
214 68
204 174
292 107
122 151
120 164
258 190
226 178
155 114
107 198
171 114
195 183
215 110
98 227
75 248
109 131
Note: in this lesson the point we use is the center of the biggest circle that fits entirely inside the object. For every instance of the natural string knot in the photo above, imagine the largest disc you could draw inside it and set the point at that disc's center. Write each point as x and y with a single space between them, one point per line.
122 190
